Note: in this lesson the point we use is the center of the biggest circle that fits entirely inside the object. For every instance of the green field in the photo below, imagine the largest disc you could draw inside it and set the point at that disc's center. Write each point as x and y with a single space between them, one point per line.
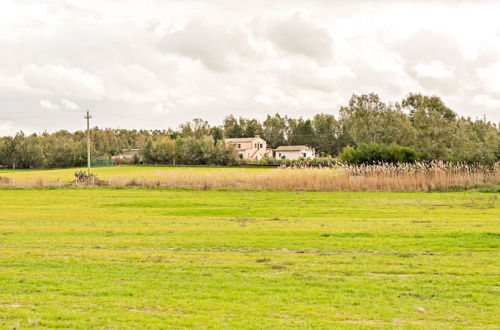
153 258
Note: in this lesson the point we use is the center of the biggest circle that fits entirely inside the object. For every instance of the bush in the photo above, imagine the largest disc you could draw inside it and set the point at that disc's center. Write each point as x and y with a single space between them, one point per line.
378 153
269 161
323 161
83 178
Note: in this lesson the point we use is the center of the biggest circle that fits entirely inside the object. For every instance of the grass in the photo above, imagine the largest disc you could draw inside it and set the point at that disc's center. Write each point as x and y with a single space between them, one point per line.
159 258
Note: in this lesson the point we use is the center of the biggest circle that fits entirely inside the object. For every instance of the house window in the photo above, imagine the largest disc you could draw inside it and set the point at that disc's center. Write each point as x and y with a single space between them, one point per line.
239 145
261 145
304 155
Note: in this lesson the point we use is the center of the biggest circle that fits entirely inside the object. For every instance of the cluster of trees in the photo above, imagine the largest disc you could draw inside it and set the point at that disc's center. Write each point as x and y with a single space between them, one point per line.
189 151
418 127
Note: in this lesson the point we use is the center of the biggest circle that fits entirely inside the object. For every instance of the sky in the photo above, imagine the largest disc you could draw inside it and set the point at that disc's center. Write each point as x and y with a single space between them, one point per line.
156 64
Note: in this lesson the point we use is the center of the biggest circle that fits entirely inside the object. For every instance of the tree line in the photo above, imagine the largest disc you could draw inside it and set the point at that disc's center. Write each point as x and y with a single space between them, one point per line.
418 127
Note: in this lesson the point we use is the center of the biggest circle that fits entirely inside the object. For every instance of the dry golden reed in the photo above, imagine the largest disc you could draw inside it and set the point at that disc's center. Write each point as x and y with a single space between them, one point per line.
435 176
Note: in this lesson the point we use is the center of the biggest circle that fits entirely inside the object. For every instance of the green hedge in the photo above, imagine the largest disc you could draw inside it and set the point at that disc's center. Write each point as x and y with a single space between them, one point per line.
378 153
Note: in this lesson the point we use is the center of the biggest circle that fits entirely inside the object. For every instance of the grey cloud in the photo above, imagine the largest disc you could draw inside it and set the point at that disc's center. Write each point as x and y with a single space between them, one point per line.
443 87
217 48
297 36
62 80
428 45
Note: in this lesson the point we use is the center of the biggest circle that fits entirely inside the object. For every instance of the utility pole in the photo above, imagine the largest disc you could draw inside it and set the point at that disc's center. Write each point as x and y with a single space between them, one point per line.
88 116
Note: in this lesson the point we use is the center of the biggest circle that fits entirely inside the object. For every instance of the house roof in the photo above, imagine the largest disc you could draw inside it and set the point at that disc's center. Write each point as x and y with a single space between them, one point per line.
247 139
292 148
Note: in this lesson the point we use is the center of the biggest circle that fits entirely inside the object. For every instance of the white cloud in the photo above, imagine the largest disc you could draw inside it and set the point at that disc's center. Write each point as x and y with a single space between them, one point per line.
8 128
48 105
160 108
433 69
70 105
490 78
487 101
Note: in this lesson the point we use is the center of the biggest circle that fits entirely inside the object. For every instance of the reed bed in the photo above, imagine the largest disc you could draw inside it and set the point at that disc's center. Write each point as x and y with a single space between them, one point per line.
435 176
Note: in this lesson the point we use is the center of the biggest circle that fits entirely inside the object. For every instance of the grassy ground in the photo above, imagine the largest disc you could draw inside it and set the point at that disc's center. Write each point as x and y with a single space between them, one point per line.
87 258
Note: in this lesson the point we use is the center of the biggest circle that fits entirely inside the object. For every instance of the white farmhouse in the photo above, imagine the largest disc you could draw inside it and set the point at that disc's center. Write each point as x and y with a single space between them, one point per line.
294 152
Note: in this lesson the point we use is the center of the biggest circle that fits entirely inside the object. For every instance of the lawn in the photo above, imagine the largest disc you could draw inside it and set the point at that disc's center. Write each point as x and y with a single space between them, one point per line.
158 258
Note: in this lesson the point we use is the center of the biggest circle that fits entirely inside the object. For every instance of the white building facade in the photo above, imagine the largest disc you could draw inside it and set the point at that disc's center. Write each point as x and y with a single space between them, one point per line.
294 152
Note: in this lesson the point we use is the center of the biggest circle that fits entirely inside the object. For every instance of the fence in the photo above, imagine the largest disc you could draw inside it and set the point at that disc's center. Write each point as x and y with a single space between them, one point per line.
103 163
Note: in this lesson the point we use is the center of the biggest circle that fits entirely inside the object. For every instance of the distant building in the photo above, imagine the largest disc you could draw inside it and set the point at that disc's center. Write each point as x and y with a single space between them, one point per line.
254 148
127 156
294 152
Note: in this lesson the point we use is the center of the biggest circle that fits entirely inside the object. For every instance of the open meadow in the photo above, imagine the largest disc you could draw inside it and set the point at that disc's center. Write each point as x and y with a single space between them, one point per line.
172 258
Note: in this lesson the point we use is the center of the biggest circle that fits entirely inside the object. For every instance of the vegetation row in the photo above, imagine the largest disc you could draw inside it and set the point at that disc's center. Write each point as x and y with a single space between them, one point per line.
366 131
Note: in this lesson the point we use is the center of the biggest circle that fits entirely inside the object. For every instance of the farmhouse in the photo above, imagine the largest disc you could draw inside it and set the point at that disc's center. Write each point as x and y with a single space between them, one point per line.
254 148
127 156
294 152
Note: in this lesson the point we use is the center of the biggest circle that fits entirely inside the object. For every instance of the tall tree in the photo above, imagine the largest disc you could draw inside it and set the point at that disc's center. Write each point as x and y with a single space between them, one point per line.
330 135
369 120
232 128
434 123
275 130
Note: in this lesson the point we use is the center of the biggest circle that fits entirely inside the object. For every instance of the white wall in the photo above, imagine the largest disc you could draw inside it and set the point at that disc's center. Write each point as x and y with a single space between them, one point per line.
294 155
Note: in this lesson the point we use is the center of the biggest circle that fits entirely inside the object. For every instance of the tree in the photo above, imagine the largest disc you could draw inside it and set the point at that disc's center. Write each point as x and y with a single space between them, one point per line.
475 142
330 135
28 151
275 130
196 128
217 134
232 128
434 124
369 120
250 127
8 156
302 132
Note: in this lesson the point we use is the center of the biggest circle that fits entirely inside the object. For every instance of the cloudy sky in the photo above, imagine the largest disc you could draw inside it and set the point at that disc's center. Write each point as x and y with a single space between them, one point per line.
156 64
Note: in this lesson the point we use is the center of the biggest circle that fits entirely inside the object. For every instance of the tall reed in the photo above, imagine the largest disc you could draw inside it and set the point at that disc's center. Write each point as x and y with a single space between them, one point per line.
434 176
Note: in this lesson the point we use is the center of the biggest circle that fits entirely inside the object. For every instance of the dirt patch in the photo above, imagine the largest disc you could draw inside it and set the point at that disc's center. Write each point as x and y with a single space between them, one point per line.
145 309
409 294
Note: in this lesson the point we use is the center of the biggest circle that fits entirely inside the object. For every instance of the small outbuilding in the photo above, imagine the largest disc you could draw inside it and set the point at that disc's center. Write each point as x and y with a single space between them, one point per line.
128 156
294 152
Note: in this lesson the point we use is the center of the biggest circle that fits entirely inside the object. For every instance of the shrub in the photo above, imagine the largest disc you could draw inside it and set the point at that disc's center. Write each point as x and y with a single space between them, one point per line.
323 161
378 153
